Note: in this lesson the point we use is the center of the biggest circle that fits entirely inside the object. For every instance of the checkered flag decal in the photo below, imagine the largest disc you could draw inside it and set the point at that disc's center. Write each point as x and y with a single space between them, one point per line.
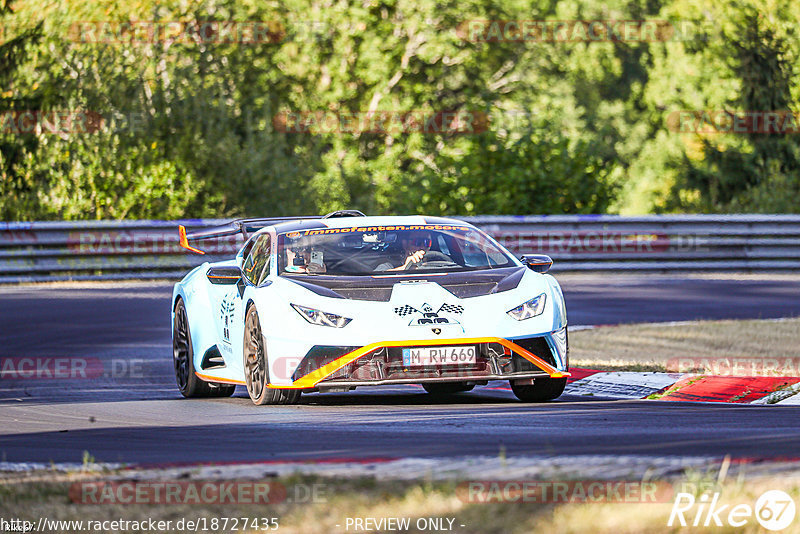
402 311
449 308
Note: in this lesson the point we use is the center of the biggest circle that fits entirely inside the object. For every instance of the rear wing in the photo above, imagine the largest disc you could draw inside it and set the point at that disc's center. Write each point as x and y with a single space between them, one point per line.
239 226
247 227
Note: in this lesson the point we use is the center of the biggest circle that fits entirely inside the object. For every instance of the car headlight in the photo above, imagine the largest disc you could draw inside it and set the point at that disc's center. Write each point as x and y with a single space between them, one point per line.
529 309
320 317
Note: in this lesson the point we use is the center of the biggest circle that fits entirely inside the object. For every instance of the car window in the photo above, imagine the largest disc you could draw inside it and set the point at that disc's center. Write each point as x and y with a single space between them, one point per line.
442 242
256 264
372 250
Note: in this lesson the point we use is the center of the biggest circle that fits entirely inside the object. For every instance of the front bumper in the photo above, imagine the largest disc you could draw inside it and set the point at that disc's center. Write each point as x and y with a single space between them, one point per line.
382 363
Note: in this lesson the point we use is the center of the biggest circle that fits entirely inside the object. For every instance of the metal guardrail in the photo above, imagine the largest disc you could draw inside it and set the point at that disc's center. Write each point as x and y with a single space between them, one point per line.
107 250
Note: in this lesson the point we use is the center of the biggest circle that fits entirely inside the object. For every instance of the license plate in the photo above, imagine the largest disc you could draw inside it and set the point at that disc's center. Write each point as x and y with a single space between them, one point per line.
433 356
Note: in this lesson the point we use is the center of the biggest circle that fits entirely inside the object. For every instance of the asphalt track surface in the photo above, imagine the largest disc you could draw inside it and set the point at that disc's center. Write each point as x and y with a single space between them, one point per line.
133 412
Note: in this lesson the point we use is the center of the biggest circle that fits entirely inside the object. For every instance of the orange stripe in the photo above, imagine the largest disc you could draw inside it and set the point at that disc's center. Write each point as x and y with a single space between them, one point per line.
314 377
209 378
534 359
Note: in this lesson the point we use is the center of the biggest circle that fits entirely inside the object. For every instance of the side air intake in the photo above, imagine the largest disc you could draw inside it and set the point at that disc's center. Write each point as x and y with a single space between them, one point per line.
212 359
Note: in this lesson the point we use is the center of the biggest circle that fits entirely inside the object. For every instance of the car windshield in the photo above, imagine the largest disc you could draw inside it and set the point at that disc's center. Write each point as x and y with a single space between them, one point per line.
377 250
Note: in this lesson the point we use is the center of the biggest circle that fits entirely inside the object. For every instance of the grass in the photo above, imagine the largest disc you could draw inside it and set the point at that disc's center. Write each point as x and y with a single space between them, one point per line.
673 388
30 498
643 347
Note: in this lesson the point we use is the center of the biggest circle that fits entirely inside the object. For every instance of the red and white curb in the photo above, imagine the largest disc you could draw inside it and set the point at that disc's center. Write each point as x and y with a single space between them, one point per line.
788 395
685 387
784 390
622 385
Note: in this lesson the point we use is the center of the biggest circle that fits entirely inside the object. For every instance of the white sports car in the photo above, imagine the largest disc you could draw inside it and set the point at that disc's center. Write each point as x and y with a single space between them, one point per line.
331 303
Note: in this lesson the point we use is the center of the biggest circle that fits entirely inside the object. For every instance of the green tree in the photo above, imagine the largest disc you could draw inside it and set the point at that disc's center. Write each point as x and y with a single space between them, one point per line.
17 191
763 174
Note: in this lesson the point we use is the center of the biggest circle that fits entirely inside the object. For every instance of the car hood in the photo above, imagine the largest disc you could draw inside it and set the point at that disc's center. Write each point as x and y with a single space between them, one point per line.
422 307
380 288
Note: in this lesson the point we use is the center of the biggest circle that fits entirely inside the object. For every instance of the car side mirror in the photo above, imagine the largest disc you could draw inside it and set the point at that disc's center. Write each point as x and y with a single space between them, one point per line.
539 263
228 275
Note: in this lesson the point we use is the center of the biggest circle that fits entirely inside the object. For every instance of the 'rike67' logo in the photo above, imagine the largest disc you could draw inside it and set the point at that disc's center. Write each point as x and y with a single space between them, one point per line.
774 510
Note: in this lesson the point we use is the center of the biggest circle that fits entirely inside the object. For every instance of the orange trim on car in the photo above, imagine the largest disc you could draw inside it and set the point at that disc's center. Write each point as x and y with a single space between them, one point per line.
209 378
313 378
184 242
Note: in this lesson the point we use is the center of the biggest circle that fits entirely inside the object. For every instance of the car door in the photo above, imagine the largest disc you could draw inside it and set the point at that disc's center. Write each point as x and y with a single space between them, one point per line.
256 262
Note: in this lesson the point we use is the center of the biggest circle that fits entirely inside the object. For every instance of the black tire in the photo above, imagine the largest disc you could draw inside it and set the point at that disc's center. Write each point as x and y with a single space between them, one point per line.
188 382
442 389
256 370
542 390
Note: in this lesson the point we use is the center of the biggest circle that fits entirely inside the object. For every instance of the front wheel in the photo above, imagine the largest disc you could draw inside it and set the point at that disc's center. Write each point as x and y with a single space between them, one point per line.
183 359
542 389
256 366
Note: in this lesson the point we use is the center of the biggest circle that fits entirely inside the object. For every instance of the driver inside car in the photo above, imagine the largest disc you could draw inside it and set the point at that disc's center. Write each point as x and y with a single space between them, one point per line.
415 245
300 258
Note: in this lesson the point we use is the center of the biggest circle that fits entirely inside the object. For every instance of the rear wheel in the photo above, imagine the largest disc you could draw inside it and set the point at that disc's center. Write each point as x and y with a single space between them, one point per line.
441 389
542 389
256 368
183 359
